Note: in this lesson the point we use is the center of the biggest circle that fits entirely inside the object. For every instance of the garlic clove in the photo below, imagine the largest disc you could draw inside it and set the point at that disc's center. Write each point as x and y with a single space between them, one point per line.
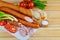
35 13
44 23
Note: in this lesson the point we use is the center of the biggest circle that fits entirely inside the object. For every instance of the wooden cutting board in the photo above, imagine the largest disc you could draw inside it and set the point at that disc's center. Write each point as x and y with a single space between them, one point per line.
52 32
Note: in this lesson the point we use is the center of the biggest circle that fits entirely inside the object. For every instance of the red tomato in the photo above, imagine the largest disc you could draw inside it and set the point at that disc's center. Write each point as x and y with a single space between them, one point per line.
23 4
11 28
27 0
30 5
2 23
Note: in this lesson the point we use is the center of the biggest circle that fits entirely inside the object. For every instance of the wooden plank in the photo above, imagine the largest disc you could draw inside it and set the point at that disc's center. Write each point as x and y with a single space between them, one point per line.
8 39
45 34
45 38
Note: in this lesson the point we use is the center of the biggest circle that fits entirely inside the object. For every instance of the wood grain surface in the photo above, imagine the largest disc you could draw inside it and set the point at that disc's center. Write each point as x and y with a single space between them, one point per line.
52 32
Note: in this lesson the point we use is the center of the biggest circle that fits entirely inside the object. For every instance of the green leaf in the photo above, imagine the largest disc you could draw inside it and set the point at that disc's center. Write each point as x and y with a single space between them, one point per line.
1 14
4 16
40 3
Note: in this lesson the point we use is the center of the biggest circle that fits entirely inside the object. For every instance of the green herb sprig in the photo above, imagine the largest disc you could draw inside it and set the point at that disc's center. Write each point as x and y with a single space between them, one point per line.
40 3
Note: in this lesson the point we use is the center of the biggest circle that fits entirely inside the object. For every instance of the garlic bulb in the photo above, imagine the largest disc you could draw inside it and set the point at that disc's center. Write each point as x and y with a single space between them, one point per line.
37 13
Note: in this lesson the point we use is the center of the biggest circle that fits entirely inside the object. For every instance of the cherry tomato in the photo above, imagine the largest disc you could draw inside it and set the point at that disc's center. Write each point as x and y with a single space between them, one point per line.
30 5
27 0
11 28
2 23
23 4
